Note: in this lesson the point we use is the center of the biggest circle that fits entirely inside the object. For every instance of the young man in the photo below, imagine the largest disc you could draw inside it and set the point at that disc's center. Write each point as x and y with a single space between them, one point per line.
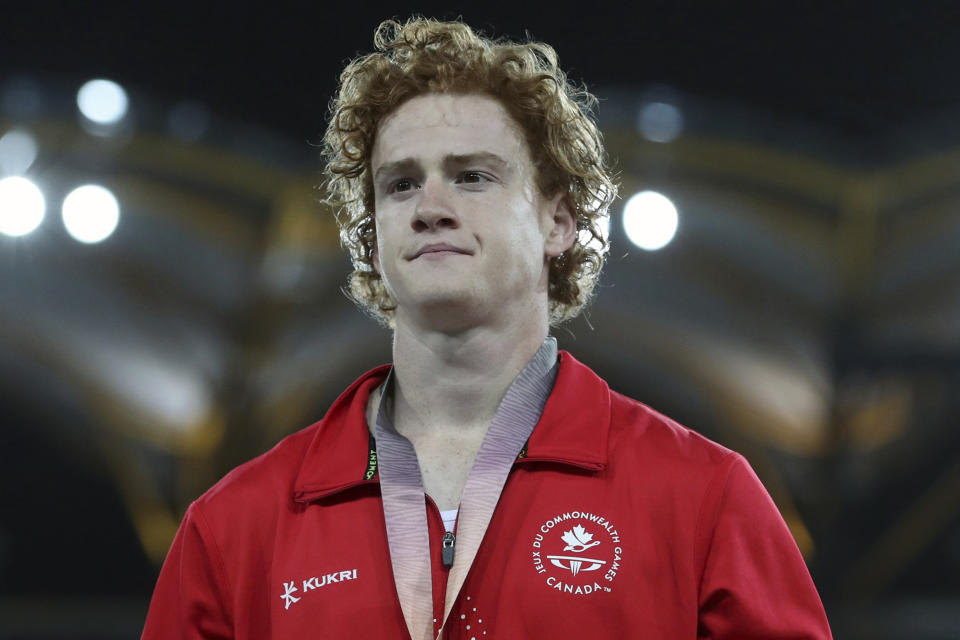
484 486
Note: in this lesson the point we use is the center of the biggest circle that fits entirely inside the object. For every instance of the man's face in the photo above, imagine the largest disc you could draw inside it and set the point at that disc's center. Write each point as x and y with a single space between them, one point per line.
462 231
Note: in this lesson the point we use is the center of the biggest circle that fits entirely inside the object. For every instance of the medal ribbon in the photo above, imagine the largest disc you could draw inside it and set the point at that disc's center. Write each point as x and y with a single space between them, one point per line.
404 504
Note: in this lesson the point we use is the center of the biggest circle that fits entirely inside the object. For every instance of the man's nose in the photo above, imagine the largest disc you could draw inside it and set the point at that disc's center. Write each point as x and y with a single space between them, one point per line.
434 209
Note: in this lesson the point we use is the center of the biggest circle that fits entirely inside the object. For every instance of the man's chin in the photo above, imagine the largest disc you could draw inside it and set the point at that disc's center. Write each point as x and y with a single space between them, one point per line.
449 311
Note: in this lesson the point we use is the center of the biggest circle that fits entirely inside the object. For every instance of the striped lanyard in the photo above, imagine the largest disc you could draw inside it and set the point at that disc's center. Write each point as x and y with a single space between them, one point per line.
404 503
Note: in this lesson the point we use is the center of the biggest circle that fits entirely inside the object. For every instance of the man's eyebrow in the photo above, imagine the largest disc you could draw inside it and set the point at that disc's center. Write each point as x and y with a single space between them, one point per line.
478 156
397 166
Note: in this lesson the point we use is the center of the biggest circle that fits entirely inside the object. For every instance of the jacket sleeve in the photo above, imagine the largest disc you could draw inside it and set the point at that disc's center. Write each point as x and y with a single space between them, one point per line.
191 597
755 583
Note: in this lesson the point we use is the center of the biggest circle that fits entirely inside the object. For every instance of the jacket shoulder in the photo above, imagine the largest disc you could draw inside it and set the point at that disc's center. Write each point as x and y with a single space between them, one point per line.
637 428
267 479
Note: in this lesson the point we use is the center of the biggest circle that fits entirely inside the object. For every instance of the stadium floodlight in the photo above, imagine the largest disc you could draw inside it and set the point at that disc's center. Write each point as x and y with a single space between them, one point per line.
650 220
22 206
90 213
102 101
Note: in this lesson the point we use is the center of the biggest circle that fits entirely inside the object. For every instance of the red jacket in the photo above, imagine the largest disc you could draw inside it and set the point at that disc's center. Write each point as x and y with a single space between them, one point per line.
617 523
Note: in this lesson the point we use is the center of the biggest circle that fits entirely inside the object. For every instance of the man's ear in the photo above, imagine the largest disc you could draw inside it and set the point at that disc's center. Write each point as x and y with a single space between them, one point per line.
561 229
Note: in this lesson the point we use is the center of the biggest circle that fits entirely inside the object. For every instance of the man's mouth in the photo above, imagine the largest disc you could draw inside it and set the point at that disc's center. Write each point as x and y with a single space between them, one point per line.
438 249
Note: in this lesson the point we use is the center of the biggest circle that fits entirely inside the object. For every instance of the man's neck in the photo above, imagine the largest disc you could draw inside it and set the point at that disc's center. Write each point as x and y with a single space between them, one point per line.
453 383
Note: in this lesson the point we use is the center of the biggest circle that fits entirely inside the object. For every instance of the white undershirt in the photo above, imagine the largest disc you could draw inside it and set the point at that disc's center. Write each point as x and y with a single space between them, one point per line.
449 518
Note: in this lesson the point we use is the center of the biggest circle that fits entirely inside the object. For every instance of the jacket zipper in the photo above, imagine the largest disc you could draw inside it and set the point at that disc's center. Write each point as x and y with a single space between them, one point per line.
449 540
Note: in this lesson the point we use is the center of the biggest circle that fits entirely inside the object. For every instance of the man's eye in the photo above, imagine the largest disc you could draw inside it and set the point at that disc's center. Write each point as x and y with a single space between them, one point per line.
401 185
473 177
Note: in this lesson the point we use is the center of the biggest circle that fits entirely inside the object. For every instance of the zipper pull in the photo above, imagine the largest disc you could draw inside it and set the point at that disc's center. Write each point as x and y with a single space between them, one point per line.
448 541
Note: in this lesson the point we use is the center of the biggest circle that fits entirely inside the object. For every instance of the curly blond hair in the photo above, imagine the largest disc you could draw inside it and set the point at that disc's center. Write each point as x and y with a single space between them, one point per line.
427 56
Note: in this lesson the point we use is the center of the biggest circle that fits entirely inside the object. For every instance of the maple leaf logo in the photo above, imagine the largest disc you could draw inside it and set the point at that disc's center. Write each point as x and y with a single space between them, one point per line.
578 540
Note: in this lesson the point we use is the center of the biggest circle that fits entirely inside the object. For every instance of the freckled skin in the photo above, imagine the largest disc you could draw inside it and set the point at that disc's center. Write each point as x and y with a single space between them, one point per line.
455 169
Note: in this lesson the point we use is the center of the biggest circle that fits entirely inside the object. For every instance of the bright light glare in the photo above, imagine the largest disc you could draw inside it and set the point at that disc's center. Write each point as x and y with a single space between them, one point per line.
650 220
21 206
90 213
18 150
102 101
660 121
587 239
584 237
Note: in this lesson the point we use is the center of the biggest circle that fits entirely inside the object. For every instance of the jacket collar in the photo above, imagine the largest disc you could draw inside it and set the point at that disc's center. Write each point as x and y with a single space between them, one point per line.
575 424
573 430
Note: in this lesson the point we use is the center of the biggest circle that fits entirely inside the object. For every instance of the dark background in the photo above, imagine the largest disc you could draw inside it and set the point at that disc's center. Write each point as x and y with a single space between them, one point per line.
857 67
